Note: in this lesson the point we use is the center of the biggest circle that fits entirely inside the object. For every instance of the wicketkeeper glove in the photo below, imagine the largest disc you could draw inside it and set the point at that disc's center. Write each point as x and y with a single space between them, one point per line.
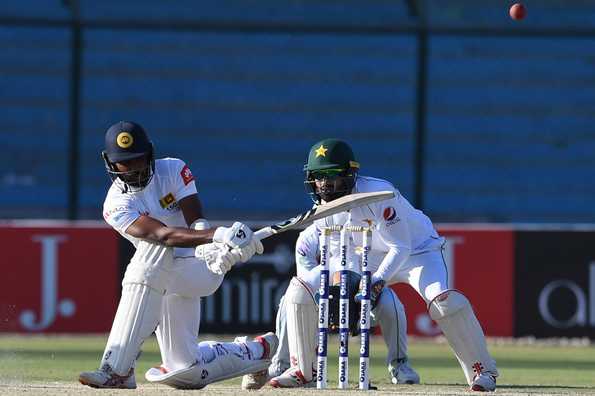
375 291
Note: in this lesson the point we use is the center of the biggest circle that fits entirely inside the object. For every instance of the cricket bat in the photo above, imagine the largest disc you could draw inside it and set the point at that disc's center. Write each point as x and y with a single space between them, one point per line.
327 209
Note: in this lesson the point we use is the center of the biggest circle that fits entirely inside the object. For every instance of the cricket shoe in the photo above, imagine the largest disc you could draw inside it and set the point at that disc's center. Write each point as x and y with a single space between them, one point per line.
277 367
402 373
291 378
484 382
106 378
257 380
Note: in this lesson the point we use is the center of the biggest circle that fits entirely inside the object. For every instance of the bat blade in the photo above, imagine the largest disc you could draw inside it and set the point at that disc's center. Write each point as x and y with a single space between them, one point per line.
338 205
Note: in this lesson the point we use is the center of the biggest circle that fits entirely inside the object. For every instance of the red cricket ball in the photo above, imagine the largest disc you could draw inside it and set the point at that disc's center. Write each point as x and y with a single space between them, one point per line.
517 11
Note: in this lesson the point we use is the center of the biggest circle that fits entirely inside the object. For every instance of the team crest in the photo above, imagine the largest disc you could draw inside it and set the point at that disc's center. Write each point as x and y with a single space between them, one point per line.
389 214
124 140
321 151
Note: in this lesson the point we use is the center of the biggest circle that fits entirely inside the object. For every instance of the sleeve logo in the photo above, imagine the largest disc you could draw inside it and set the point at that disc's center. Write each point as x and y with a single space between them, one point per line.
187 175
389 213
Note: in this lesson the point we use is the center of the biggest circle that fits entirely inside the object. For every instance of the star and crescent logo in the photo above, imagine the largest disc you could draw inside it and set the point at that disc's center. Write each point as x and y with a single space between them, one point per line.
124 140
321 151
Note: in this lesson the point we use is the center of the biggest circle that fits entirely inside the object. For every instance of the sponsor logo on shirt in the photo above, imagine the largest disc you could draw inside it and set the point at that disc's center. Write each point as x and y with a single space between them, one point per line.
109 213
168 202
118 216
390 215
186 174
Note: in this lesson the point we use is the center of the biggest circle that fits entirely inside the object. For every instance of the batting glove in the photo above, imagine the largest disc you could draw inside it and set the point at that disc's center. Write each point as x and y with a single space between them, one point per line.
246 253
237 236
217 256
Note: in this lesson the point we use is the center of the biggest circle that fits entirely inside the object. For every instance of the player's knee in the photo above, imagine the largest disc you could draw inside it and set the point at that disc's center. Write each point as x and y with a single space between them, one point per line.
192 278
148 266
448 303
299 292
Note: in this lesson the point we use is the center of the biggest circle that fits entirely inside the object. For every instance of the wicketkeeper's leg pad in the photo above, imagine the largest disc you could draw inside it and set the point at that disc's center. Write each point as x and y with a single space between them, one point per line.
302 319
453 313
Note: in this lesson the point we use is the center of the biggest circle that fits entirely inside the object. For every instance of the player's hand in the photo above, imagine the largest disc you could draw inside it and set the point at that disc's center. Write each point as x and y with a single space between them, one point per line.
246 253
225 260
238 235
217 256
375 291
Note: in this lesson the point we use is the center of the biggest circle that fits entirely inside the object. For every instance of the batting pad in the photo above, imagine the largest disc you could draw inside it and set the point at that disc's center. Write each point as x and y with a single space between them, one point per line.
150 265
302 319
453 313
136 318
223 360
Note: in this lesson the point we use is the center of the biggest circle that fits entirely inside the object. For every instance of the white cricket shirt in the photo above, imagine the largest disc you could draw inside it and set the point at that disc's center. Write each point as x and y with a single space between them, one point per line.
171 182
398 231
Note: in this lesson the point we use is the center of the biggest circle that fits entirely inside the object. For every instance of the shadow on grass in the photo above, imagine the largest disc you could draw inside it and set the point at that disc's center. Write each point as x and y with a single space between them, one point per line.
67 355
501 386
545 387
561 364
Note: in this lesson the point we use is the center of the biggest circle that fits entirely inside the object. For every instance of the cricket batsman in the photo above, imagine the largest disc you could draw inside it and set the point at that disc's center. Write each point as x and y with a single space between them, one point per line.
179 258
407 249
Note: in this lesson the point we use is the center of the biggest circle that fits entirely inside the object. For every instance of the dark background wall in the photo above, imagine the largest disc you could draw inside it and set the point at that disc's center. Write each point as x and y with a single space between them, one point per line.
473 116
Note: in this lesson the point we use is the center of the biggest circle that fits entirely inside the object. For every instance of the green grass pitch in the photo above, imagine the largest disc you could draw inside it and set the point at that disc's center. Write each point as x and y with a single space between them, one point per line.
49 365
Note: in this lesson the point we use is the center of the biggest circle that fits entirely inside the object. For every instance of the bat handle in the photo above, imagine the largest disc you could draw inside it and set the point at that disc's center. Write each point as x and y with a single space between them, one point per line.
264 233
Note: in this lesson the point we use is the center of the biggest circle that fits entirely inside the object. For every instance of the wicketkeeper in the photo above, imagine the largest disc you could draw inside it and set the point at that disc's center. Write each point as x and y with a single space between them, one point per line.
387 312
405 247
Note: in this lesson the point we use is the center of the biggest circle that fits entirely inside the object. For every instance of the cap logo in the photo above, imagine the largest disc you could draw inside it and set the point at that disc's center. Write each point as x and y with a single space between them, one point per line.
124 140
321 151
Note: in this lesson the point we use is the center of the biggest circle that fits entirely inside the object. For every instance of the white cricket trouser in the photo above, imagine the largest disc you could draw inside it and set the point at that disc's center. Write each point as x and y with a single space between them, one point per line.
389 314
425 272
179 324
